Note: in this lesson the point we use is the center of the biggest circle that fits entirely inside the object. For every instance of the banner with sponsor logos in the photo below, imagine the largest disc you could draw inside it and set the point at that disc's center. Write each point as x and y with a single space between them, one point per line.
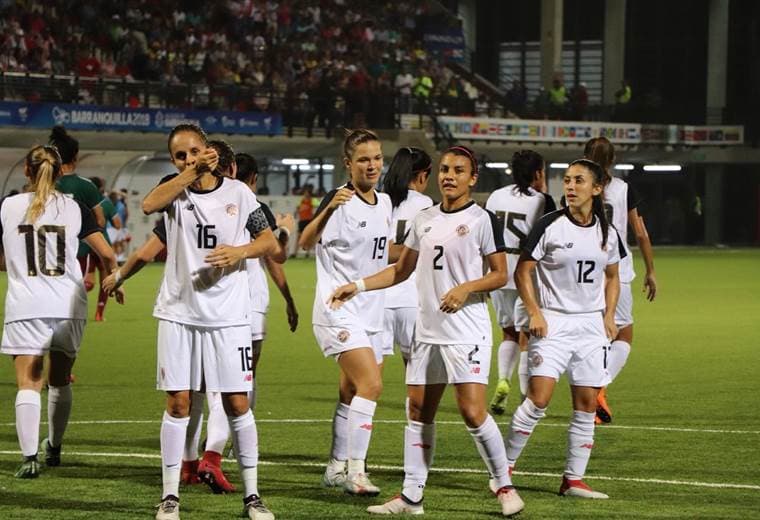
485 128
90 117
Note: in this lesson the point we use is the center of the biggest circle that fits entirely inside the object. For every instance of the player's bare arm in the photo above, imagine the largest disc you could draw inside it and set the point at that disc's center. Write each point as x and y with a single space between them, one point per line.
136 261
102 248
524 282
100 217
611 294
496 277
312 233
224 255
278 277
163 194
645 246
391 275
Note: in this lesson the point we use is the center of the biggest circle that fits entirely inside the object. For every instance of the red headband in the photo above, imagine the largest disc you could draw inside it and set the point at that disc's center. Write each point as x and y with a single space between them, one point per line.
468 153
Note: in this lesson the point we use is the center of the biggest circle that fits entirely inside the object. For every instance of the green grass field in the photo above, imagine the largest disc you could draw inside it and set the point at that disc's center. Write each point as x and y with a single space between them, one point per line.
685 441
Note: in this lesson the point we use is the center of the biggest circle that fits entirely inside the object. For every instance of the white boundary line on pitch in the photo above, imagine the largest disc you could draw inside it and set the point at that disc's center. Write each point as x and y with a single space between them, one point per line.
447 423
154 456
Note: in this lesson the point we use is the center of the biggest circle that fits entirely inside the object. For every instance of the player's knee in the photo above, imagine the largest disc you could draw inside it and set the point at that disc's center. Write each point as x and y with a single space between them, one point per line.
473 414
178 405
370 389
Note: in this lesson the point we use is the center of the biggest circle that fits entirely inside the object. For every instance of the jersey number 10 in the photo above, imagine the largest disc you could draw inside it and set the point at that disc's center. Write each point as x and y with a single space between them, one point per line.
41 256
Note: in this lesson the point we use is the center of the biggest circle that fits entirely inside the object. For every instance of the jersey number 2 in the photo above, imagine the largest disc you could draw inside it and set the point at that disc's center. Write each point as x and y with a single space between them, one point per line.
436 261
41 256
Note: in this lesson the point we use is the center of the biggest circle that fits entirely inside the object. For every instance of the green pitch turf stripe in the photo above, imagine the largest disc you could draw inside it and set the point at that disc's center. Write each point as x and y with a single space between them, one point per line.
156 456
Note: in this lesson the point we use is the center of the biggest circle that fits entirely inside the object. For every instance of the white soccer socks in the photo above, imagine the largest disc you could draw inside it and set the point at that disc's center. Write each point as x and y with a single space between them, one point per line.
339 451
522 372
28 421
419 448
508 355
173 432
524 420
59 410
246 440
490 445
617 357
217 427
580 440
360 415
194 426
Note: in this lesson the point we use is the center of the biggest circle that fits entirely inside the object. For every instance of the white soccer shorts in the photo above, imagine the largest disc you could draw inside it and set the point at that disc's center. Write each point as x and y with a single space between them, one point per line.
522 320
448 364
398 329
335 340
624 309
504 301
114 235
189 355
35 337
576 345
258 326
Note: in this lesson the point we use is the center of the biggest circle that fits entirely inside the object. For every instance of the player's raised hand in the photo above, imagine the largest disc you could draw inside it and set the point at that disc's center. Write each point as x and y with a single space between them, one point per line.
290 309
342 196
650 286
341 295
225 256
454 299
207 161
538 326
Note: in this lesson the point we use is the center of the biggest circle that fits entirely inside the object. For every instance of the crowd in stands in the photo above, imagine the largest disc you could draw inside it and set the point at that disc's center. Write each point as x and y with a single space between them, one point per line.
316 60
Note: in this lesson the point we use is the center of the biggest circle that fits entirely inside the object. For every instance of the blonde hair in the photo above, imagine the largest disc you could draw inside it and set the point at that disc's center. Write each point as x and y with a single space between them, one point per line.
44 164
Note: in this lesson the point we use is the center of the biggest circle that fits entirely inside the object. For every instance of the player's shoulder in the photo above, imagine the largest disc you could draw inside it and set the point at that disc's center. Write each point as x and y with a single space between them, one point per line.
546 221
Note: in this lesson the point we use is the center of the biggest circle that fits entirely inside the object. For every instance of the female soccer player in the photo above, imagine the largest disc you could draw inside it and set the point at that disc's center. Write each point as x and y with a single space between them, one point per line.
620 203
571 304
350 231
46 304
449 245
405 183
202 306
517 206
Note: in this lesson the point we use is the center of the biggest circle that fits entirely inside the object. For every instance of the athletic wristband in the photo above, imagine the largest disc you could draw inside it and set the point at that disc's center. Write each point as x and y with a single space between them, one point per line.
282 231
117 275
360 285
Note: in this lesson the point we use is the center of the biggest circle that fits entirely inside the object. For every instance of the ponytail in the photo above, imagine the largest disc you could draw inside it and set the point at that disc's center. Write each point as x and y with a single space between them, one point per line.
44 165
406 164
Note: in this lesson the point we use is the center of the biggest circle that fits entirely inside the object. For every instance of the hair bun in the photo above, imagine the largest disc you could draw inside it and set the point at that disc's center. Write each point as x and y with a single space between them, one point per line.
57 132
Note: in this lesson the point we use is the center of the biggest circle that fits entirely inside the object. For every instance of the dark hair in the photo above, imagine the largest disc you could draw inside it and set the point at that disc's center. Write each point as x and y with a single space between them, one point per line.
464 152
226 155
247 167
597 206
187 127
67 146
601 151
405 166
356 137
98 182
525 164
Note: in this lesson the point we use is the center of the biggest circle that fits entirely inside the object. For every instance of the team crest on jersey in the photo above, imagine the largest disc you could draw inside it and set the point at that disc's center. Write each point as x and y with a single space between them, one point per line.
536 359
343 336
231 209
462 230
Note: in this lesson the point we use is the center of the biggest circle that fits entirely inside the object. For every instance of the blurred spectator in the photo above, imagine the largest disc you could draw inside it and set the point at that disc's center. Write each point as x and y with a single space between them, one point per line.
623 101
403 85
579 102
557 99
516 98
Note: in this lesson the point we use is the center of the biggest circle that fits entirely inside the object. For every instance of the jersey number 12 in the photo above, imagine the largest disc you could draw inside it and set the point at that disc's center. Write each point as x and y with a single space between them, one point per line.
41 255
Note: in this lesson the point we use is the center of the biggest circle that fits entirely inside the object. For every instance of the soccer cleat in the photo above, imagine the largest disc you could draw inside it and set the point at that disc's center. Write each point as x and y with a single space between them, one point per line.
510 501
603 411
359 484
492 481
398 505
578 488
168 509
52 455
189 473
210 472
500 397
255 509
335 473
30 468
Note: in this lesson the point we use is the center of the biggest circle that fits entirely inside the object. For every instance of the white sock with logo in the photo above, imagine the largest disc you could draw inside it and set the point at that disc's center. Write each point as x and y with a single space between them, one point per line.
490 445
246 439
173 432
28 421
360 415
580 441
419 448
522 372
218 427
524 420
60 399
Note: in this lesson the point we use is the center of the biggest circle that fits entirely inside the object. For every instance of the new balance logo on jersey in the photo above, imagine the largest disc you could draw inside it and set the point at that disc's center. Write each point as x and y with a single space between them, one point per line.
190 207
428 228
363 223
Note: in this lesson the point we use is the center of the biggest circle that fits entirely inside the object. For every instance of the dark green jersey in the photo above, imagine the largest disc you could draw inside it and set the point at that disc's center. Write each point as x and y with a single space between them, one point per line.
109 210
84 191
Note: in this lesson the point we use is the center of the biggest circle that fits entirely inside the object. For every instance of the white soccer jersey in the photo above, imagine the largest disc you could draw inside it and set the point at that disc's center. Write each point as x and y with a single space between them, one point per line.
571 262
619 199
192 291
405 294
452 249
517 212
257 278
44 278
353 245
